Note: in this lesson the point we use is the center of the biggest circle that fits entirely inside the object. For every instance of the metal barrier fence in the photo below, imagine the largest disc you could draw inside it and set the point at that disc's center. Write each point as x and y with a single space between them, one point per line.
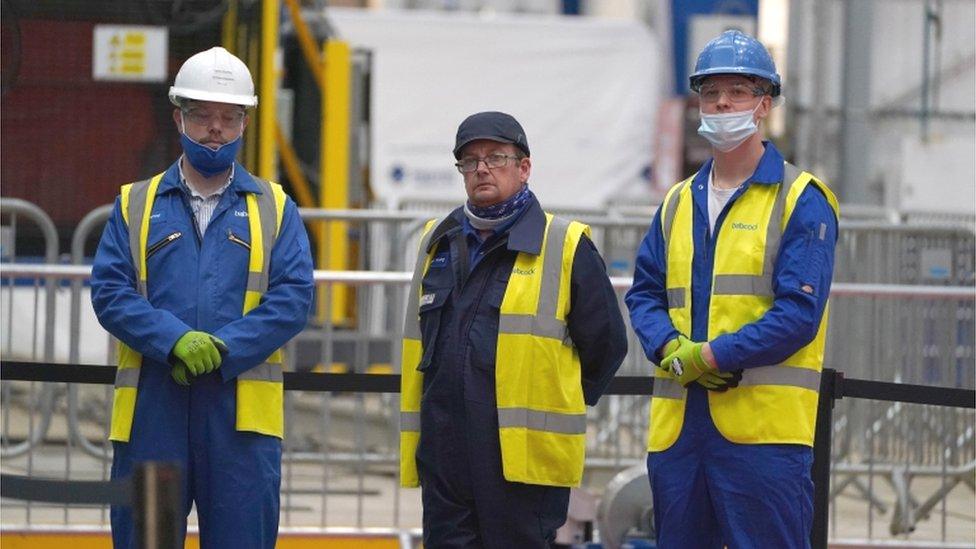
833 386
340 449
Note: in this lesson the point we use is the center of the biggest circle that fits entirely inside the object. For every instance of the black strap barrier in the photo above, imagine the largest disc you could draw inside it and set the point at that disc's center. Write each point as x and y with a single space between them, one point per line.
294 381
833 386
390 383
114 492
154 492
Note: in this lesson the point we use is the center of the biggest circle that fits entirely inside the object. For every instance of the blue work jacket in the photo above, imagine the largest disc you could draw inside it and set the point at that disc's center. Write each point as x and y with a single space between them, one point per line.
792 321
198 283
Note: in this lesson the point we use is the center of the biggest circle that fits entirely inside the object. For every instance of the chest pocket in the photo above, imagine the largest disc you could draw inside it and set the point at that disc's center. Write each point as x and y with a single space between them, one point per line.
432 302
483 335
163 245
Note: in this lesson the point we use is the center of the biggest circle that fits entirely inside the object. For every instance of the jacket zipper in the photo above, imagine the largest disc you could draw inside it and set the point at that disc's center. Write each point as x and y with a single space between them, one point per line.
233 238
162 243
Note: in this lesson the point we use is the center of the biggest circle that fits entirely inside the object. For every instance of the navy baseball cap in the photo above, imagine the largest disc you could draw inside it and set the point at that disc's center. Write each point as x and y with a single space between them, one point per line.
491 125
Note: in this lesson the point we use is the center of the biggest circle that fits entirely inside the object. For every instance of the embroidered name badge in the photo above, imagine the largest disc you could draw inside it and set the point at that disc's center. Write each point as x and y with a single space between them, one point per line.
238 213
426 299
439 261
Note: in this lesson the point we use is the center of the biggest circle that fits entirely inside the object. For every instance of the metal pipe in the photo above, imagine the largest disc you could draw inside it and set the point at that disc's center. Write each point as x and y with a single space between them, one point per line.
51 246
92 220
370 278
855 131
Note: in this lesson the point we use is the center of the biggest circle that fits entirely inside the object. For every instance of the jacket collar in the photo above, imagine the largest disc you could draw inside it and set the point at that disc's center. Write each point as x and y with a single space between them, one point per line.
525 235
243 181
769 171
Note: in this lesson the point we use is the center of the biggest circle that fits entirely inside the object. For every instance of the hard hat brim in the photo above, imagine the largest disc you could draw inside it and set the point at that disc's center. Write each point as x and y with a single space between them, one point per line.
773 78
176 94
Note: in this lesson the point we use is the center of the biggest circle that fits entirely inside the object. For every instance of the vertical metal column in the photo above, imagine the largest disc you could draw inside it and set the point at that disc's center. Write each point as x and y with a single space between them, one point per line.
268 87
855 131
156 506
794 81
829 391
334 169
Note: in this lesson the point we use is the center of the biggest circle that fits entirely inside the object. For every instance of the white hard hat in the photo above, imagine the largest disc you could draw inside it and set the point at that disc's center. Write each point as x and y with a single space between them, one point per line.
214 75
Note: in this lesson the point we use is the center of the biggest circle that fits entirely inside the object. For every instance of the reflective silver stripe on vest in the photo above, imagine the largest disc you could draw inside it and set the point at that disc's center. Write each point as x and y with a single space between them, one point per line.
553 422
544 323
774 231
803 378
411 322
529 325
127 377
676 298
257 282
671 209
665 387
410 421
268 220
742 285
137 208
263 372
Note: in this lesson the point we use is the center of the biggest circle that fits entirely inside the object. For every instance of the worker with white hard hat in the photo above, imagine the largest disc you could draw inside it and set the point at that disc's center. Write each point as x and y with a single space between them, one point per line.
729 299
203 273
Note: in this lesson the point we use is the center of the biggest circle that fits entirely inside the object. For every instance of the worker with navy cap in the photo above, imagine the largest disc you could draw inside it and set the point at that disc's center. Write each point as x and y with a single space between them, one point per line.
512 329
730 300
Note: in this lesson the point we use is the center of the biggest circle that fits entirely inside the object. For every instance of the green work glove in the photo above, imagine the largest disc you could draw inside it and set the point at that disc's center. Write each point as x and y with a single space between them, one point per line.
715 380
180 374
669 348
686 362
199 351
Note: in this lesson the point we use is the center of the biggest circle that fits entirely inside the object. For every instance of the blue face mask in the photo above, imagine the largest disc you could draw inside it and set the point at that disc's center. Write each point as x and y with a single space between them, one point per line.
208 161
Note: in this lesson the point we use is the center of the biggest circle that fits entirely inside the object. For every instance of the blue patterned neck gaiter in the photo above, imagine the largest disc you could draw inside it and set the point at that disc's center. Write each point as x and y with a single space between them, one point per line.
492 216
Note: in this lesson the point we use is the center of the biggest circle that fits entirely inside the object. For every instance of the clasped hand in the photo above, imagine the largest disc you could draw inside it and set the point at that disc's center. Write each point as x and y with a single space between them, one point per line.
195 353
683 358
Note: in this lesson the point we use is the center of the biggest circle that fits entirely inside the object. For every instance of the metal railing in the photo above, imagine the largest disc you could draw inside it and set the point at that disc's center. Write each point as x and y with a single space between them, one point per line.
14 207
341 447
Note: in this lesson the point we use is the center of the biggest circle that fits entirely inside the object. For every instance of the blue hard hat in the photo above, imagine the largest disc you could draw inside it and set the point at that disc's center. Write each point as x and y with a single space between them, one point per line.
734 52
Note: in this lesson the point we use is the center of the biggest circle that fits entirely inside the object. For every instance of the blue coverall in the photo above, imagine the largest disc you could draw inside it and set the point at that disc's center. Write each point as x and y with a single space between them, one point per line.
467 502
707 491
198 283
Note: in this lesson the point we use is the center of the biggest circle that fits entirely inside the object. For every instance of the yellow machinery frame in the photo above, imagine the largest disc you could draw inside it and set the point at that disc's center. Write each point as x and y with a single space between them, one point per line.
331 66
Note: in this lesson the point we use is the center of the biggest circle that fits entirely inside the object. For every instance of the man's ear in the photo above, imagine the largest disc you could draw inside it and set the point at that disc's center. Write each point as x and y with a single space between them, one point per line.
767 106
525 169
177 120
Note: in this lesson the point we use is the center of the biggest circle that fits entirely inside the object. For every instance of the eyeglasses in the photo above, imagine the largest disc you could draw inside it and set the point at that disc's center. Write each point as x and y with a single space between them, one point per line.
205 118
497 160
737 93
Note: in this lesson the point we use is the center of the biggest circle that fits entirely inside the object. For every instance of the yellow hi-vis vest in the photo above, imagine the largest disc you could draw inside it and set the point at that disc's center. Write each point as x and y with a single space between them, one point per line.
541 412
772 404
260 391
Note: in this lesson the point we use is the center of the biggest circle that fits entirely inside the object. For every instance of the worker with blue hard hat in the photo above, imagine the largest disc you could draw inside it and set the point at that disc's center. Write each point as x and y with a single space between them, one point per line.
512 329
730 301
203 273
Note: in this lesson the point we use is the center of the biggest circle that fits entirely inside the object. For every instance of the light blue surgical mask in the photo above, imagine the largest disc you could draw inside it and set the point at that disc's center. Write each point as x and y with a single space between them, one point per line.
209 161
729 130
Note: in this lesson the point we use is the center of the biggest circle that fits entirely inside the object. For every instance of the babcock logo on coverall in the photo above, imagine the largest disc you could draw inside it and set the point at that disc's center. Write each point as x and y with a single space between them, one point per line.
745 226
